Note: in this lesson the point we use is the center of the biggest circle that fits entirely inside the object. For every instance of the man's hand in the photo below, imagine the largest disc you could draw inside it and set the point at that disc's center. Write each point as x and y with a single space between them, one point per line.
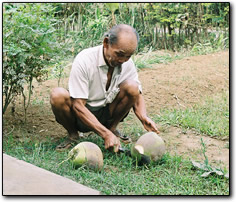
140 112
111 141
91 121
149 125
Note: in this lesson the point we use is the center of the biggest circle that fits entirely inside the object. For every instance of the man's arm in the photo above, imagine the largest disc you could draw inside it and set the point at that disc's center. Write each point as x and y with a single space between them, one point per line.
140 111
91 121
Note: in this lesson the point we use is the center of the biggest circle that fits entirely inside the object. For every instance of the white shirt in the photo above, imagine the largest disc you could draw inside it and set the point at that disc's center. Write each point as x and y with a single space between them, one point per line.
88 77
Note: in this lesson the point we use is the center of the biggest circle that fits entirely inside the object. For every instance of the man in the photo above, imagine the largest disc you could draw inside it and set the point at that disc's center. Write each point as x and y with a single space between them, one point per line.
103 87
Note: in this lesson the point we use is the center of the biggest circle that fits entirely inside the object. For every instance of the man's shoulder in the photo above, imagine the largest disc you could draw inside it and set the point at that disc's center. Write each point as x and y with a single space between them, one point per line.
86 59
89 52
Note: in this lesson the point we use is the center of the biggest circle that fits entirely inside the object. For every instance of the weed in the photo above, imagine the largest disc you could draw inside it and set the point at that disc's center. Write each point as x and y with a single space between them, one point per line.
214 44
206 167
204 153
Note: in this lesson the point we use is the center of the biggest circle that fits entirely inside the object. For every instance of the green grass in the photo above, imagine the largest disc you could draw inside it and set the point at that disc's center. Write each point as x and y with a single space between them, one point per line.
210 118
210 46
207 47
121 176
148 59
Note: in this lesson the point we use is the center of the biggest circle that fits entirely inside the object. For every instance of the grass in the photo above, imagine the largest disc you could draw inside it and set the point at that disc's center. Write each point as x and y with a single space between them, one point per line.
210 118
120 175
145 61
207 47
210 46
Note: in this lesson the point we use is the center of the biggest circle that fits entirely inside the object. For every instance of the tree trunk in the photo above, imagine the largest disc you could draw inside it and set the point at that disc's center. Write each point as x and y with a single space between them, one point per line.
165 39
171 37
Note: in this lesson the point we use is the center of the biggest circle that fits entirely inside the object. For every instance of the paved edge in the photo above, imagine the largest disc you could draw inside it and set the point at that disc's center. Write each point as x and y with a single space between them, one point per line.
22 178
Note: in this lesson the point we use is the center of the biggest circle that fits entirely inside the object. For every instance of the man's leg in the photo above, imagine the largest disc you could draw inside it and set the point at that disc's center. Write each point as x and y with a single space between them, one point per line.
123 102
61 106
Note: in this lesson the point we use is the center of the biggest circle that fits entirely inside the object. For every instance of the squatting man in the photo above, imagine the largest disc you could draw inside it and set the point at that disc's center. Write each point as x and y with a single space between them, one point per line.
103 87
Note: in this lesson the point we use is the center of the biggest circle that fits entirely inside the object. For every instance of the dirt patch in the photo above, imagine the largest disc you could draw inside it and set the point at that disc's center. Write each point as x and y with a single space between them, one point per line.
182 84
179 84
190 145
185 82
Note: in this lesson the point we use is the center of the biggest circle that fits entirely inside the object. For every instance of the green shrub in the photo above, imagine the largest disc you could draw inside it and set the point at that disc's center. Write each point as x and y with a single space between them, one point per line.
29 44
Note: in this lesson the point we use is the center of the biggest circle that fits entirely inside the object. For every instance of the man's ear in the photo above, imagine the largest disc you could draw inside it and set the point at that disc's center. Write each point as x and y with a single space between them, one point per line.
106 42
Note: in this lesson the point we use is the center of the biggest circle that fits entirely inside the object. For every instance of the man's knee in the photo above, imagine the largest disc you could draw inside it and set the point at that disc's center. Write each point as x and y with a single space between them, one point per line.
59 97
130 88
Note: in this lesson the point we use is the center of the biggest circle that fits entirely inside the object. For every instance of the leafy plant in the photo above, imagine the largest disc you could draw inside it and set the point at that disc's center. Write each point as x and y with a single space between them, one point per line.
29 44
113 7
206 167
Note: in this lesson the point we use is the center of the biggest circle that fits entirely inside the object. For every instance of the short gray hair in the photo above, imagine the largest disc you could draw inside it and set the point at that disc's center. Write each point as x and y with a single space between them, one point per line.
113 33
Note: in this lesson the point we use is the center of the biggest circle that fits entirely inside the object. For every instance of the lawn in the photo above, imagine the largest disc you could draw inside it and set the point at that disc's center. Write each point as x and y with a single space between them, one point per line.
172 175
121 176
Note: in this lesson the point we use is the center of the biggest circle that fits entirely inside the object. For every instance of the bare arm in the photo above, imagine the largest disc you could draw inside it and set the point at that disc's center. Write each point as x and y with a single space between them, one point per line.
140 111
91 121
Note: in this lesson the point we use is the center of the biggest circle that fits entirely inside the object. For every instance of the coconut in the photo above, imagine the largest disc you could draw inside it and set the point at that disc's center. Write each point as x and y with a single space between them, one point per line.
87 154
149 145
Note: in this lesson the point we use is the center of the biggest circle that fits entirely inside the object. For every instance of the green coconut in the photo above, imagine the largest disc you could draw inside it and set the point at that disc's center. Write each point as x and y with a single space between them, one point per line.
149 146
87 154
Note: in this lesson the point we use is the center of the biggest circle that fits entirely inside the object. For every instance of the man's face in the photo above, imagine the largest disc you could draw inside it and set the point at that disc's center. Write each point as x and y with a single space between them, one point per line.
117 54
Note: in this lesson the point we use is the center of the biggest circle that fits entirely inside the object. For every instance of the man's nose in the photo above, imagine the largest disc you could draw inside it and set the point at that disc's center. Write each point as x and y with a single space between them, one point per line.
122 60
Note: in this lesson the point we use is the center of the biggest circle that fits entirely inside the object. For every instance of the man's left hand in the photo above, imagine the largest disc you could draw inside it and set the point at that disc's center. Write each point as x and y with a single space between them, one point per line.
149 125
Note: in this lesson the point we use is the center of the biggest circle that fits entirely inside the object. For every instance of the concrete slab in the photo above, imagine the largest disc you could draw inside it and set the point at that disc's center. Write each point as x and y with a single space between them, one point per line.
22 178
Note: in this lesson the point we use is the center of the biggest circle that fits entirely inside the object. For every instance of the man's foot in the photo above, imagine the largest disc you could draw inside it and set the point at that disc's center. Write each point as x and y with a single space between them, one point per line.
67 143
122 137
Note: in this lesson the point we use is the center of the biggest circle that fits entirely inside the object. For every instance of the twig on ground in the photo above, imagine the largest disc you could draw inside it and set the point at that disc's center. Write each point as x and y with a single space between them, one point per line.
10 131
176 97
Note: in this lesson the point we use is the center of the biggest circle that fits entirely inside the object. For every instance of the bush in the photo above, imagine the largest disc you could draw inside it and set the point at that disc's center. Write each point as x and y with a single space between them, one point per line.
29 44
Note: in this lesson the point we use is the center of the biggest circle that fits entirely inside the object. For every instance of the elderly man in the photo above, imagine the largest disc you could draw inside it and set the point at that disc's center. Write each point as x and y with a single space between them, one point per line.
103 87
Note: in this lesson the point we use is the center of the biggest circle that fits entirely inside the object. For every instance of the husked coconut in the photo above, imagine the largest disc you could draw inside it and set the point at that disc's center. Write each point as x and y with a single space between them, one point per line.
149 145
88 154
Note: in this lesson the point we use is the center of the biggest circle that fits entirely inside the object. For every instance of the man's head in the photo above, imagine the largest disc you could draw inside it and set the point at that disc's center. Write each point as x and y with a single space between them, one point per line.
119 44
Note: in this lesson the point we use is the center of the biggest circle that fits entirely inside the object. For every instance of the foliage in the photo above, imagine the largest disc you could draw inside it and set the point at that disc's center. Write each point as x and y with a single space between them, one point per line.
37 34
29 44
186 23
172 26
113 7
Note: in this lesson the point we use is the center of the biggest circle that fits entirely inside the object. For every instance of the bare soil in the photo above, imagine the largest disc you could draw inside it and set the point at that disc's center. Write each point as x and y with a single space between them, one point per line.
179 84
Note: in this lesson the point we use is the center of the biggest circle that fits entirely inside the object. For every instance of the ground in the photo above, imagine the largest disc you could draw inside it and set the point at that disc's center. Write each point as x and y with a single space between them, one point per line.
179 84
184 83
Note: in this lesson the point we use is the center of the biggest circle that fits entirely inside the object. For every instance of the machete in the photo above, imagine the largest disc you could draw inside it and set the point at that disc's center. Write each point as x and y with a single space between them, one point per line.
144 158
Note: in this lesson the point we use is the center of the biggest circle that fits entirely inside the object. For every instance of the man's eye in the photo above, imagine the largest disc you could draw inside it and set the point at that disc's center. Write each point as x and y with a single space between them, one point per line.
120 54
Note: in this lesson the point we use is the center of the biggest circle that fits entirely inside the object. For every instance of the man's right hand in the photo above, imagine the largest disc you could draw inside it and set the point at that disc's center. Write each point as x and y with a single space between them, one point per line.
111 141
